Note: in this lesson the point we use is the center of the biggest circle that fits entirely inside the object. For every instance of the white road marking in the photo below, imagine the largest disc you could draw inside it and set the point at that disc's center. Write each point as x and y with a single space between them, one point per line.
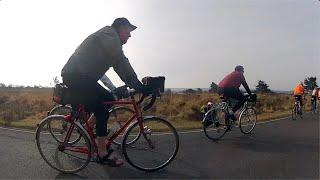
18 130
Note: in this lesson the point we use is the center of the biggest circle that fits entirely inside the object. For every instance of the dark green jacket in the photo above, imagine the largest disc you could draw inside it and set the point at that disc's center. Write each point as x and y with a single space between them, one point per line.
97 53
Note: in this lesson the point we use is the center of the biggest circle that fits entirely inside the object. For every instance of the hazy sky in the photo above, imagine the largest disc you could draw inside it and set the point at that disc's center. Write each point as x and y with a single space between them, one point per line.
191 42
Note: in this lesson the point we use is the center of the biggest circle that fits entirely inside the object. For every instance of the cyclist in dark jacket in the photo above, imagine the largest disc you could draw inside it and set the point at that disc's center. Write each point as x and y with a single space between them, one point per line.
90 61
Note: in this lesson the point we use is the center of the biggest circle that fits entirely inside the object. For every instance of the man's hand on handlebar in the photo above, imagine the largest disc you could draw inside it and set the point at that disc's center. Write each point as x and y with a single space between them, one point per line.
121 92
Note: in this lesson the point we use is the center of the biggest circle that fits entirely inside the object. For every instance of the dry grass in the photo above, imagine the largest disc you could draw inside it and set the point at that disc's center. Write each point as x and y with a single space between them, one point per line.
19 106
22 107
183 110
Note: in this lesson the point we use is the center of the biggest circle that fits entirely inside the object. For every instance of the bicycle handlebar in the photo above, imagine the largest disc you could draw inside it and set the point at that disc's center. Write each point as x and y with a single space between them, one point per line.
153 95
152 87
251 98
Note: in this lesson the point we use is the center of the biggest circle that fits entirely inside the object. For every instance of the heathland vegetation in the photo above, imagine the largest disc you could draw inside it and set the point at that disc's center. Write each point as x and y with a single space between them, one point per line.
25 107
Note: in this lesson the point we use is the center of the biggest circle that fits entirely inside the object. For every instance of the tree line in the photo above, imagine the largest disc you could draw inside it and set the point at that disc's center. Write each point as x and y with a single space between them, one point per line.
262 87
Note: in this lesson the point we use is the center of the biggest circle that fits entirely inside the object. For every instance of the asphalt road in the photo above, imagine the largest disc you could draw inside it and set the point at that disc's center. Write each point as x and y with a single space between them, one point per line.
280 149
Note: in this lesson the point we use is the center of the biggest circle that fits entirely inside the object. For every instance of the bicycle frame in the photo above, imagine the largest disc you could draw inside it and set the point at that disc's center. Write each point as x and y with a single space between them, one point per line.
225 105
81 110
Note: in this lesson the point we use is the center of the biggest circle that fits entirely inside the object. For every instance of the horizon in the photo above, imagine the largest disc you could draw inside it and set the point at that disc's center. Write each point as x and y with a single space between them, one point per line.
166 88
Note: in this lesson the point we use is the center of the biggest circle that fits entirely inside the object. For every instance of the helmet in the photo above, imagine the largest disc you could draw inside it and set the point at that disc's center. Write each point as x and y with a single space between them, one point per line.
239 68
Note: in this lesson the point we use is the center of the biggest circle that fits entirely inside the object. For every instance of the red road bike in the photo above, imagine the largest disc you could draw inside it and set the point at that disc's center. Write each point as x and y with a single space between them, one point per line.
148 143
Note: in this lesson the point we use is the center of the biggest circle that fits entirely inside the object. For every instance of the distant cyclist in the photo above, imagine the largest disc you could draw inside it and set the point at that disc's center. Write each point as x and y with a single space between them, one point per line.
299 92
229 87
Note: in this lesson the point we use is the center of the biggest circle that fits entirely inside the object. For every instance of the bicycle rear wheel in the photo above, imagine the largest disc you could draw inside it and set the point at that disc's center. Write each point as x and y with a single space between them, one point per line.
58 128
247 120
155 148
66 158
60 125
214 124
313 107
294 113
60 110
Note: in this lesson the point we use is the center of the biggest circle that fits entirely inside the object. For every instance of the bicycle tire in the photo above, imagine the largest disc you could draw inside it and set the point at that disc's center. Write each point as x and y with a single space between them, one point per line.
294 113
60 110
250 114
42 140
300 111
161 135
214 123
313 106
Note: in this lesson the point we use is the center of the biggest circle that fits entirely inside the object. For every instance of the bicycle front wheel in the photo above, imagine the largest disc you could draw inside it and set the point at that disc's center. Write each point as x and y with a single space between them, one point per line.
156 146
248 120
64 157
214 124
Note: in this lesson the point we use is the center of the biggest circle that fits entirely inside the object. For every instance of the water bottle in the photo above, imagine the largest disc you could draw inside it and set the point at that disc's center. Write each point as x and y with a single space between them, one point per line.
114 127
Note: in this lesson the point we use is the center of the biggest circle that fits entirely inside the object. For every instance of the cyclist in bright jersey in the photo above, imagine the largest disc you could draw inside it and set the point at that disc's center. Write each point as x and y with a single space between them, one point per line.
299 92
229 87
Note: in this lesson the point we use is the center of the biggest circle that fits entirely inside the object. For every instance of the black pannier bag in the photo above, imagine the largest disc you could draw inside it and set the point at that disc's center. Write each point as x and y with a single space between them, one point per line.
154 83
61 94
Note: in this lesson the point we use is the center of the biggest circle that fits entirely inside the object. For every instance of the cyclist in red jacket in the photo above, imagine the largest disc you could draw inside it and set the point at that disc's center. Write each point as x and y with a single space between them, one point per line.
229 87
